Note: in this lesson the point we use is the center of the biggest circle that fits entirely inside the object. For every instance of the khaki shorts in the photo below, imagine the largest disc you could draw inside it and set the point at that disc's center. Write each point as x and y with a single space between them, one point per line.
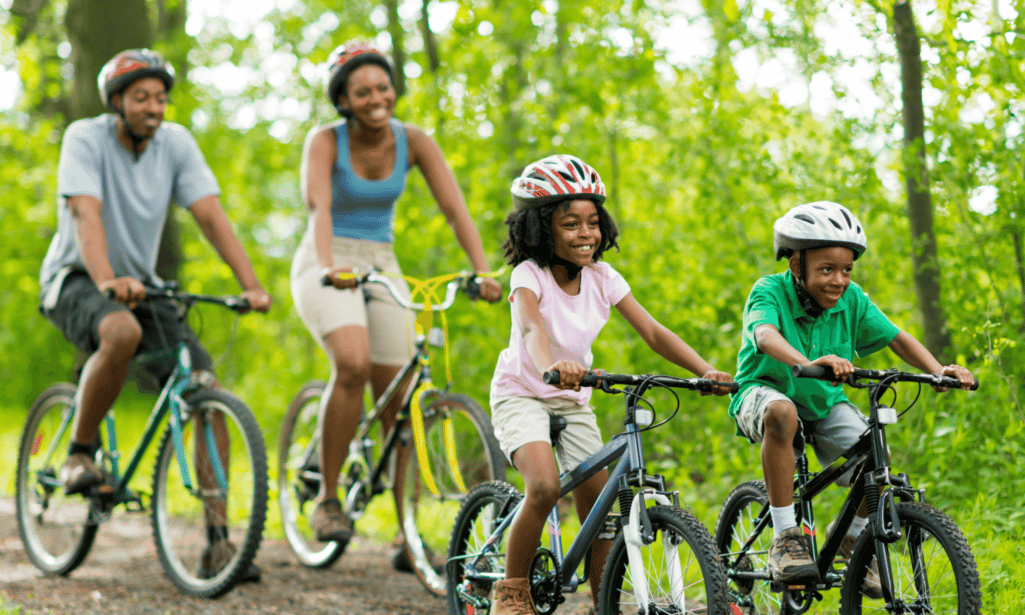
829 437
521 420
324 309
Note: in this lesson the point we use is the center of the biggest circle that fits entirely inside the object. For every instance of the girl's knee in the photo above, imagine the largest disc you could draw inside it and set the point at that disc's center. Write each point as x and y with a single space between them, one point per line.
543 492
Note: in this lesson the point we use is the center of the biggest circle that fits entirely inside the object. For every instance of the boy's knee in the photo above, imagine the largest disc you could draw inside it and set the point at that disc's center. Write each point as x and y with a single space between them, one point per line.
120 332
780 419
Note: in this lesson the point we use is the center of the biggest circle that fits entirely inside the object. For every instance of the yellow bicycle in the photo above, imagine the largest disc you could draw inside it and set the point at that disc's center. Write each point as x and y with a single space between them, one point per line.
451 434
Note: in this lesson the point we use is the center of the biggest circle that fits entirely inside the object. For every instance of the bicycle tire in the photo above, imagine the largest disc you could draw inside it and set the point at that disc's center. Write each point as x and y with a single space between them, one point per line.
950 580
180 517
483 509
735 524
296 491
55 529
424 515
680 538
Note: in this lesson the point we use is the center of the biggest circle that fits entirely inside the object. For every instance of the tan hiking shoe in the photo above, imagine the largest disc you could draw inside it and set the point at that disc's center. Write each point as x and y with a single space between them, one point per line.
872 587
217 555
790 557
79 473
512 597
329 524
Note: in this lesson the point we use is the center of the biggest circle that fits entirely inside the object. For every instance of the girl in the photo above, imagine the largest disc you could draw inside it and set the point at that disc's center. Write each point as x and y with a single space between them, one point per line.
560 294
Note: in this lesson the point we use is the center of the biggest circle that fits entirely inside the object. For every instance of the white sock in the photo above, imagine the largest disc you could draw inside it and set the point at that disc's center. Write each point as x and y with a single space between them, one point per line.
783 518
857 525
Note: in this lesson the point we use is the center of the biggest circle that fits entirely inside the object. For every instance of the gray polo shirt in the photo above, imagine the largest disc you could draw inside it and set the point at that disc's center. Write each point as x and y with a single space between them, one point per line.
135 194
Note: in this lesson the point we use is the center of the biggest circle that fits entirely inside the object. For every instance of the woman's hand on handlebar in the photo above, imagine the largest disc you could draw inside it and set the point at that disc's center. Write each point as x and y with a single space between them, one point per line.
961 373
490 289
341 278
842 368
124 290
259 299
570 374
718 376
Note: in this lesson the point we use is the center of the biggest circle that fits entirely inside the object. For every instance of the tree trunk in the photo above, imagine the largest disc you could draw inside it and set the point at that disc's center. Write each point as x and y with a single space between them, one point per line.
430 45
924 259
397 46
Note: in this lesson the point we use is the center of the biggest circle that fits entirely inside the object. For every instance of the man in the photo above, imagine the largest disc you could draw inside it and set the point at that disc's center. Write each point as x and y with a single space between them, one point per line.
117 176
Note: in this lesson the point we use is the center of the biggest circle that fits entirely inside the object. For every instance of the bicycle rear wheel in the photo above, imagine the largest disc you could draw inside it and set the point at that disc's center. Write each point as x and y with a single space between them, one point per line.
299 478
482 511
679 572
462 452
56 529
933 568
747 572
208 520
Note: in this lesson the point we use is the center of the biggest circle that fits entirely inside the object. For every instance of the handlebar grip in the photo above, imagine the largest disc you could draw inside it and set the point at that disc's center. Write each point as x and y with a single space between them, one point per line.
325 280
590 379
109 294
472 288
822 372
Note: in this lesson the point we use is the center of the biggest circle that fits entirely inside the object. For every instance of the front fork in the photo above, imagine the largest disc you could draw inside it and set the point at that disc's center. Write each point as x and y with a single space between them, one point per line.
884 520
638 532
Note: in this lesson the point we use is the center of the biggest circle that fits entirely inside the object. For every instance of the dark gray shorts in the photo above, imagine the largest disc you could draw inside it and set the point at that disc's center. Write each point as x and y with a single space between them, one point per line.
81 306
829 437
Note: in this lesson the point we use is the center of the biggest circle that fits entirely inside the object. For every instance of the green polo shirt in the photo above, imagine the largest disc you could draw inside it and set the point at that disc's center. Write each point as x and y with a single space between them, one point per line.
853 327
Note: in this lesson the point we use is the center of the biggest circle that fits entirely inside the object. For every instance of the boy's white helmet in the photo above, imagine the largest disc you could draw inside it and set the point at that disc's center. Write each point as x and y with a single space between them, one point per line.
821 224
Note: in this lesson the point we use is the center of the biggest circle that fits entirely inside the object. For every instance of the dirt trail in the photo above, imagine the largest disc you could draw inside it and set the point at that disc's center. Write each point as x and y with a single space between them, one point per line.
121 575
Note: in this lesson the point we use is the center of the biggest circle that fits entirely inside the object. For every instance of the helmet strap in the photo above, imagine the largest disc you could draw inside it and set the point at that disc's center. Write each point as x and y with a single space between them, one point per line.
808 303
572 269
134 138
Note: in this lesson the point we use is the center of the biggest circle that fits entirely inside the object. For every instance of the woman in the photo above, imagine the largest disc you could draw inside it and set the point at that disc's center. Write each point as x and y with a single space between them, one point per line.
353 170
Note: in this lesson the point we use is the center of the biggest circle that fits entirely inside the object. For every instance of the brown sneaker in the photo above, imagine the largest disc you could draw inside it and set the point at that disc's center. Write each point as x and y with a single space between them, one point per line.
329 524
217 555
79 473
401 562
790 557
872 587
512 597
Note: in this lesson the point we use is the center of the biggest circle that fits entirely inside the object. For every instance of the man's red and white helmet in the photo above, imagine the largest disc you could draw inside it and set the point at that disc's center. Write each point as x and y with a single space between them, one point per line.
129 66
557 178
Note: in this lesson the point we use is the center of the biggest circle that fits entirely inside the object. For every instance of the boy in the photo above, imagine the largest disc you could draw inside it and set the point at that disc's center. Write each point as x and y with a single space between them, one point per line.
811 314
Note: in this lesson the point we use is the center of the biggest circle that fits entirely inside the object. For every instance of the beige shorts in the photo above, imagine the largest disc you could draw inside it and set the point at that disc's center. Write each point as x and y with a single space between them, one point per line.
521 420
324 309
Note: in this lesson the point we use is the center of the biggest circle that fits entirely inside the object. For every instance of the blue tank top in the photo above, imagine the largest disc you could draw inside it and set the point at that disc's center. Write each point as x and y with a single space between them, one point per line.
362 208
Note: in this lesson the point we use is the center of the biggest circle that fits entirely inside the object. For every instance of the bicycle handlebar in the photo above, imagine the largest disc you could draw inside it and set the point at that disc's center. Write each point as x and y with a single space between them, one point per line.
597 378
824 372
465 281
237 304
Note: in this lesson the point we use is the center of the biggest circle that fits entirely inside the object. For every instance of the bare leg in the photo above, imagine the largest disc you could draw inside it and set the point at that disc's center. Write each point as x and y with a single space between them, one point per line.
348 349
778 452
104 373
536 462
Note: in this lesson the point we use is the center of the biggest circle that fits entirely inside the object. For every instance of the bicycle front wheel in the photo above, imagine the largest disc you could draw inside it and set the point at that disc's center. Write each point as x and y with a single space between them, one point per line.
933 568
299 478
679 572
474 565
56 529
461 452
210 495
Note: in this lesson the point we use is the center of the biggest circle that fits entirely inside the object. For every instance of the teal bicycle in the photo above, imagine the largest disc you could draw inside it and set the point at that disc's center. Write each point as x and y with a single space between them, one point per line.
207 511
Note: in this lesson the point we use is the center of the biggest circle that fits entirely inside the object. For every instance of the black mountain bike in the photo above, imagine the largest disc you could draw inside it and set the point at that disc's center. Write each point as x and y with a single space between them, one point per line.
192 491
662 560
923 560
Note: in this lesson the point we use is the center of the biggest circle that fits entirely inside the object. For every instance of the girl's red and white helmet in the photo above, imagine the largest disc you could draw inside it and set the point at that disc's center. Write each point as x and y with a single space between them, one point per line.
129 66
557 178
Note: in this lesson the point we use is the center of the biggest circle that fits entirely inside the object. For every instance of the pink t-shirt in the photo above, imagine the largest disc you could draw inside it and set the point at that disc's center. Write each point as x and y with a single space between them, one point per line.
572 323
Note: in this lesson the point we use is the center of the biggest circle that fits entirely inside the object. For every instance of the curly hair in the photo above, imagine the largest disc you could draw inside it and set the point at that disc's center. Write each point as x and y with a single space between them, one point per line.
531 235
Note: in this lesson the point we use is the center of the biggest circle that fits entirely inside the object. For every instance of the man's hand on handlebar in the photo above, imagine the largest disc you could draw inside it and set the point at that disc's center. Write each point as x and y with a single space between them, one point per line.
570 374
718 376
124 290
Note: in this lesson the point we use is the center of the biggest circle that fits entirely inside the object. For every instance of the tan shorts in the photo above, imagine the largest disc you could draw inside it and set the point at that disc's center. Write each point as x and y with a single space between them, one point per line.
521 420
324 309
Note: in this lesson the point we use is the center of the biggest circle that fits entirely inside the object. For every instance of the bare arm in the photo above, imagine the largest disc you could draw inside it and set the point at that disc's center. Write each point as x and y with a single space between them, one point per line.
426 155
91 239
771 342
666 343
526 315
217 228
914 353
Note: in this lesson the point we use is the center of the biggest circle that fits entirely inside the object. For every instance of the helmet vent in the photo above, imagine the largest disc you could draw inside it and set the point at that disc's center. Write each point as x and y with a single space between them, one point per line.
836 224
566 176
847 218
805 218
